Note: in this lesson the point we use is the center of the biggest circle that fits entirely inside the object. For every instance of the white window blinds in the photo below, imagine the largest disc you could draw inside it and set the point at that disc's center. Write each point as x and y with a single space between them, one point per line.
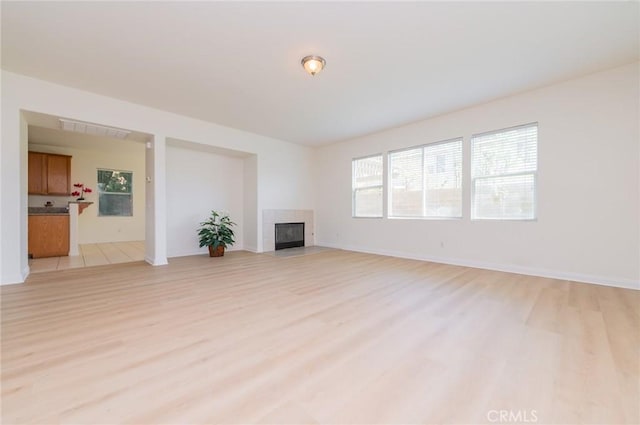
426 181
503 173
407 178
367 186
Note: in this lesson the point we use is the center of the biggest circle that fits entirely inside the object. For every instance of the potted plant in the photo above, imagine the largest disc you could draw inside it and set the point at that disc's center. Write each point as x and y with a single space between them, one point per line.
216 233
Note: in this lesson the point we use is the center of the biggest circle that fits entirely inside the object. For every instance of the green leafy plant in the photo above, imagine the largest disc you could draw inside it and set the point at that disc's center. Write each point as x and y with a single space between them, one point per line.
216 231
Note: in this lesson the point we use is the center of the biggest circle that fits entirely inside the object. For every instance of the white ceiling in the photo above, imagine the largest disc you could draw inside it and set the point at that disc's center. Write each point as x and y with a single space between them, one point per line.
50 122
46 130
388 63
45 136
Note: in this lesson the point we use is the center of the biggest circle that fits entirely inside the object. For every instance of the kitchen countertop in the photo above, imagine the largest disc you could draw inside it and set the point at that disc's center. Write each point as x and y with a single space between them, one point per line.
48 211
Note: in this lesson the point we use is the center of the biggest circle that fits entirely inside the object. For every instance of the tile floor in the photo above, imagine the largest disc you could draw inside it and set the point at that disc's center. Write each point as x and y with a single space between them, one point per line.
94 254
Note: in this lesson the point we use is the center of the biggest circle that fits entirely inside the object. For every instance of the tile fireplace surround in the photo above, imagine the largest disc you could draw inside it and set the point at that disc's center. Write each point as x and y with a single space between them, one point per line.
271 217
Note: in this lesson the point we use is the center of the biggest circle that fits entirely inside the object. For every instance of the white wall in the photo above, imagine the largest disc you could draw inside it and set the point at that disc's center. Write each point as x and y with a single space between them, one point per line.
84 166
281 185
250 203
588 187
198 182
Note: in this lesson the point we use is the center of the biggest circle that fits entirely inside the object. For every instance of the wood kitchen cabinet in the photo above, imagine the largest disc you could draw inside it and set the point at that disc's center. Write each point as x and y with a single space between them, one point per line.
48 235
37 174
49 174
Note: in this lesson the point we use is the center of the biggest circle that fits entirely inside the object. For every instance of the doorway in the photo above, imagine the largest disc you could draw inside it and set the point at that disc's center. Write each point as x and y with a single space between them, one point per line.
101 236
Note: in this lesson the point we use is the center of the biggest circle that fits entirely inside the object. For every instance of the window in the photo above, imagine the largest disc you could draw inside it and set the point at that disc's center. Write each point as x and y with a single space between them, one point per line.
114 193
504 165
426 181
367 186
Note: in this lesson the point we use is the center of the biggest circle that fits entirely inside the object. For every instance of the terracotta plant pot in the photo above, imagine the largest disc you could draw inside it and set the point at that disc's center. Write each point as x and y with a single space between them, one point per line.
218 252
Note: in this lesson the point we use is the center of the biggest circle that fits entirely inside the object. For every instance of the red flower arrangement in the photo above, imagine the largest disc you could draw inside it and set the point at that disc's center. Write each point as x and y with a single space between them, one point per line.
81 192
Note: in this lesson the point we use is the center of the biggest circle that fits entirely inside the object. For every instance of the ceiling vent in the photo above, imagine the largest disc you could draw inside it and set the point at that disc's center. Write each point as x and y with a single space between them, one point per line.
93 129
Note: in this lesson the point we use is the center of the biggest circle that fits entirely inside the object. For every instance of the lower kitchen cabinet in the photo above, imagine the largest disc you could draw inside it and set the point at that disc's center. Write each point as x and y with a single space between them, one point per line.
48 235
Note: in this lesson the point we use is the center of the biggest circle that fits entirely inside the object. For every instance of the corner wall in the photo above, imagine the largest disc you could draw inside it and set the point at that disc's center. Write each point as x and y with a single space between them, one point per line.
588 187
198 182
250 202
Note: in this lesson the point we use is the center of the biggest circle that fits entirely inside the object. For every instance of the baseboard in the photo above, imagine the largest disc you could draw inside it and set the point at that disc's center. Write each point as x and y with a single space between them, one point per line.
154 262
16 278
206 252
509 268
189 254
12 280
25 272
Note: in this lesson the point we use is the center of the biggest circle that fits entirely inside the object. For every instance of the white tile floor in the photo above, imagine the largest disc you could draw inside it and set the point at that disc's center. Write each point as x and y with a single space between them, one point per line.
92 255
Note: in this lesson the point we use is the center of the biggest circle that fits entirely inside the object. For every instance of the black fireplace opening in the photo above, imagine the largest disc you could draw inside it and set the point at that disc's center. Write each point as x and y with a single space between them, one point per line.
289 235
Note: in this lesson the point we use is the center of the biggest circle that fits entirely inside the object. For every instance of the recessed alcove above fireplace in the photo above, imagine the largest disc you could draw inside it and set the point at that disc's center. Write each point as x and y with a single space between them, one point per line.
272 217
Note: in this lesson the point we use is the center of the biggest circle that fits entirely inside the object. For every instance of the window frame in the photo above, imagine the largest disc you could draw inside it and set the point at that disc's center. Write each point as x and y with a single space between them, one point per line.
521 173
422 146
354 189
130 193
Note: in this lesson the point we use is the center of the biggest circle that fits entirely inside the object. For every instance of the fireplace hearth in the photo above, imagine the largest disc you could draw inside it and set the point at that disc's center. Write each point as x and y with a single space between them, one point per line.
289 235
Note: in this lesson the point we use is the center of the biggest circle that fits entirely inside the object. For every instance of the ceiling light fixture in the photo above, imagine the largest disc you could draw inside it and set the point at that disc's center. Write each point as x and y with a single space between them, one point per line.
93 129
313 64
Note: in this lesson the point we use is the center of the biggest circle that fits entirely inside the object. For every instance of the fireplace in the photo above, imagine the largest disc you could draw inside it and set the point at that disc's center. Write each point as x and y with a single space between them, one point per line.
289 235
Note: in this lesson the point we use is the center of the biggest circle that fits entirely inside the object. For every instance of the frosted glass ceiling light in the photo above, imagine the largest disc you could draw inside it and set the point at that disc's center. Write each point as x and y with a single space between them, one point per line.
313 64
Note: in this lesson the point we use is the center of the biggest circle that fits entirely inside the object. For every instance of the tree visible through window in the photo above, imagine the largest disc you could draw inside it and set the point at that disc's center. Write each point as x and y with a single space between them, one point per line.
114 193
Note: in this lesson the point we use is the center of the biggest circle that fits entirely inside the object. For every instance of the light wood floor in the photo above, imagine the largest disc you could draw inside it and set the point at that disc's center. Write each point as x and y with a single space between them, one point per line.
335 337
94 254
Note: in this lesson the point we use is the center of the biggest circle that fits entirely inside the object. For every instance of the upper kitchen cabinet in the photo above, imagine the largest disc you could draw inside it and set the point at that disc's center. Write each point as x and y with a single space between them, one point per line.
49 174
58 175
37 173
